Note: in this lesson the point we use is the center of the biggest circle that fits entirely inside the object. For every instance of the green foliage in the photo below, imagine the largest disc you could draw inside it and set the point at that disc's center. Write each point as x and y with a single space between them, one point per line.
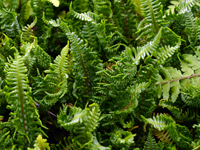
40 144
99 75
150 143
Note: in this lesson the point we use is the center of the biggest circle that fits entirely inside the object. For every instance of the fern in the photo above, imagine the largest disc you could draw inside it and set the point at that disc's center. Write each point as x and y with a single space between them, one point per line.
55 82
162 135
186 5
174 78
27 32
82 123
159 122
40 144
24 114
150 143
177 112
126 60
152 15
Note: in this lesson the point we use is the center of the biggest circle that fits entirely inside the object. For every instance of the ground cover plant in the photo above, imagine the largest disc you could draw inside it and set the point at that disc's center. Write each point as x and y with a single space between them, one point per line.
100 75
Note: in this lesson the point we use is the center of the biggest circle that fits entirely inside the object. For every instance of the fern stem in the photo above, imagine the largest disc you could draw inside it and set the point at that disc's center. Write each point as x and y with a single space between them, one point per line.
21 96
194 75
127 106
84 68
153 16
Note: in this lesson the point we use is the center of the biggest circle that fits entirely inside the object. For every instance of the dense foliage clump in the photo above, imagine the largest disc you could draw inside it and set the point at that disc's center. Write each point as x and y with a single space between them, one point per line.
100 75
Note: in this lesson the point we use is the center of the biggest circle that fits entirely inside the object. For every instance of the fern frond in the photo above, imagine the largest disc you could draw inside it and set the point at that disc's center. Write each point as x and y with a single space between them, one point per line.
85 62
174 78
68 143
153 17
122 139
28 11
102 7
124 18
159 122
180 135
162 135
193 27
177 113
86 16
95 145
139 7
9 23
24 114
147 49
55 82
40 143
186 5
77 116
134 92
150 143
166 52
27 32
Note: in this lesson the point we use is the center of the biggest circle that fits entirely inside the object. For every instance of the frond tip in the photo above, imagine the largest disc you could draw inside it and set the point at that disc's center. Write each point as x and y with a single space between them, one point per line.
40 143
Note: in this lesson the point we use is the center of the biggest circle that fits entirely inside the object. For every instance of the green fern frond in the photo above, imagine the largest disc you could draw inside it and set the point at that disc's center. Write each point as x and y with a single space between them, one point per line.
122 139
150 143
186 5
177 113
176 80
134 91
28 10
77 116
86 16
27 32
103 7
180 135
9 23
24 114
68 143
139 7
159 122
147 49
55 82
166 52
40 144
153 18
95 145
